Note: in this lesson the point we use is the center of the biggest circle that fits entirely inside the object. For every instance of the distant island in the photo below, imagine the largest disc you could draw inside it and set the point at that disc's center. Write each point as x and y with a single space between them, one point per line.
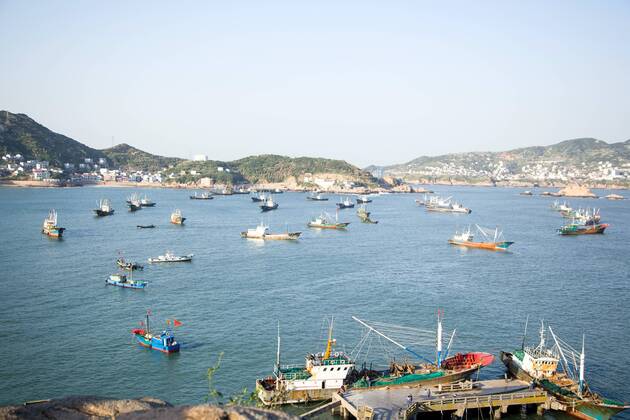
586 161
32 152
34 155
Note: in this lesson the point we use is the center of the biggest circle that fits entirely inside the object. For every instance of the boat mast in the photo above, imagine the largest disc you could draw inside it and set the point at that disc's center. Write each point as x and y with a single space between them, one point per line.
581 383
330 340
565 364
448 347
439 338
148 329
278 350
525 333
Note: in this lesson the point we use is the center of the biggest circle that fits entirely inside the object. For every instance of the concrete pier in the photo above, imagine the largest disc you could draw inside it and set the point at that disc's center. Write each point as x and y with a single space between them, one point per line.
412 402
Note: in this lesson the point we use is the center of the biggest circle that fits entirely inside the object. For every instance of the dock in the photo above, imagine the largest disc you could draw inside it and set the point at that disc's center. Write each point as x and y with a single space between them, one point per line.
496 396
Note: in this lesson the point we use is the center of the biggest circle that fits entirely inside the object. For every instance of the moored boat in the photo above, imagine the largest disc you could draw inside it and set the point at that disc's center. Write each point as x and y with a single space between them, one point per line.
493 239
164 342
322 375
134 203
324 221
582 229
145 226
121 280
316 197
447 205
262 232
146 202
203 196
269 204
259 198
345 203
363 199
177 218
128 265
539 365
50 227
169 257
443 369
528 192
104 208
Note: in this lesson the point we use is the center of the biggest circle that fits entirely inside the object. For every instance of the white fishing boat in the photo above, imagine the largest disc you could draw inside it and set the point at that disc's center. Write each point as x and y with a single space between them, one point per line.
446 205
177 218
104 208
322 375
262 232
169 257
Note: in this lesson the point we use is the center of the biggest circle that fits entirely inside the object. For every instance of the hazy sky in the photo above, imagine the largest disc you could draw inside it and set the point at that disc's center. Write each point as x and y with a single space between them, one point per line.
369 82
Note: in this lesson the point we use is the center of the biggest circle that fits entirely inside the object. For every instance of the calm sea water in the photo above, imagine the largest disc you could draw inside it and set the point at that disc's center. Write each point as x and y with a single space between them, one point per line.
64 332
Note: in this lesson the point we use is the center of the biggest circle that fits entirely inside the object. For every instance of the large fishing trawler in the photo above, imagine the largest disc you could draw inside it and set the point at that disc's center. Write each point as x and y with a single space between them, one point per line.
493 239
322 375
540 365
50 227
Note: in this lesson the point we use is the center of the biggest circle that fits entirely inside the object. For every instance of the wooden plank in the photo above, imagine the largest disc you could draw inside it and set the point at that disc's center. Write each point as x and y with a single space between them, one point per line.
321 409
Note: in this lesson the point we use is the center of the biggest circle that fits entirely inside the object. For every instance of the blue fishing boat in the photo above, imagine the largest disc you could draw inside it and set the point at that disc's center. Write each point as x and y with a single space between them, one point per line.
121 280
164 342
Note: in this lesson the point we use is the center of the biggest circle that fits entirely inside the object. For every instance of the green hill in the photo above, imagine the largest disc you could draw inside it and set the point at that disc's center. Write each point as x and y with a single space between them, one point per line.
128 157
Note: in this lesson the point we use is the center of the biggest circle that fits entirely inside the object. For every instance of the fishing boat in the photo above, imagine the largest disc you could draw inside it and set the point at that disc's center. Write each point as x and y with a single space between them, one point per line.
146 202
128 265
322 375
316 197
241 190
268 204
169 257
442 369
134 202
560 370
224 191
345 203
259 198
278 191
145 226
528 192
363 199
121 280
104 208
447 205
262 232
423 201
364 215
177 218
493 239
50 227
324 221
164 342
582 229
203 196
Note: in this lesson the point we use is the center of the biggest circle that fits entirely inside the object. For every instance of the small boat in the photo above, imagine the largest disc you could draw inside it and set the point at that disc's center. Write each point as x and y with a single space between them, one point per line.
321 376
324 221
223 191
203 196
364 215
164 342
437 204
145 202
316 197
262 232
528 192
345 203
121 280
128 265
582 229
493 239
539 365
363 200
134 203
169 257
241 191
177 218
145 226
50 227
268 204
614 197
104 208
259 198
278 191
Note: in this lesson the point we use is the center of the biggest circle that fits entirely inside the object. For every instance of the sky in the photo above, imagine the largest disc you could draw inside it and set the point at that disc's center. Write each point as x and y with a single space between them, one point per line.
370 82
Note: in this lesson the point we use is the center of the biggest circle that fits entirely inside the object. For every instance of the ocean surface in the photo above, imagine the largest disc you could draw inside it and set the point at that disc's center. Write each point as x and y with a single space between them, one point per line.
64 332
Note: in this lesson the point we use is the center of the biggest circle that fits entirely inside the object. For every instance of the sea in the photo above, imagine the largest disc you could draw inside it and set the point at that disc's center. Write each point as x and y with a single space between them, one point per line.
64 332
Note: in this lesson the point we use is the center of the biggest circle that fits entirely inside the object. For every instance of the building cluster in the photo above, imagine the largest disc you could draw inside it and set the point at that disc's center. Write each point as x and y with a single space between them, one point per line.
543 170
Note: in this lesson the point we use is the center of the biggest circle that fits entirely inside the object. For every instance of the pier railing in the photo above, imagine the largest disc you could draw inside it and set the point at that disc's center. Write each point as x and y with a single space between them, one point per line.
473 402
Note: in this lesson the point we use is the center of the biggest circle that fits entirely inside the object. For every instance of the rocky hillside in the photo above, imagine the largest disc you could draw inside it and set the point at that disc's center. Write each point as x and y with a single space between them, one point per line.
128 157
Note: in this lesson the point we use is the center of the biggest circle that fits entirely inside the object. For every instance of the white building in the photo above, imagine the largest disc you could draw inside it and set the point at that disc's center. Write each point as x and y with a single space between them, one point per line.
200 158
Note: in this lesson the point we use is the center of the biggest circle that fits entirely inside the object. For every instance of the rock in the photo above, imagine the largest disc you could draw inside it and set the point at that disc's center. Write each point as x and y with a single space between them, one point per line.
87 407
576 191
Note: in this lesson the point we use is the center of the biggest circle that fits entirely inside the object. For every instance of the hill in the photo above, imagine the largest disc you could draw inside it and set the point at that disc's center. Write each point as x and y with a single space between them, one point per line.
583 158
128 157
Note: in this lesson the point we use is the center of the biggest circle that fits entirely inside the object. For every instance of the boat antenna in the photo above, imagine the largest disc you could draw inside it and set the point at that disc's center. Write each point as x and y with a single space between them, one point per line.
448 348
525 333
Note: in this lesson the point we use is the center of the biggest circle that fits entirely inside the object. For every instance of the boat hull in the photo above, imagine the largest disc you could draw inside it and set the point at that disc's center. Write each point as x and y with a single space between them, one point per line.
493 246
154 343
586 230
302 396
344 206
316 199
54 232
268 208
102 213
289 236
337 226
126 285
178 221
